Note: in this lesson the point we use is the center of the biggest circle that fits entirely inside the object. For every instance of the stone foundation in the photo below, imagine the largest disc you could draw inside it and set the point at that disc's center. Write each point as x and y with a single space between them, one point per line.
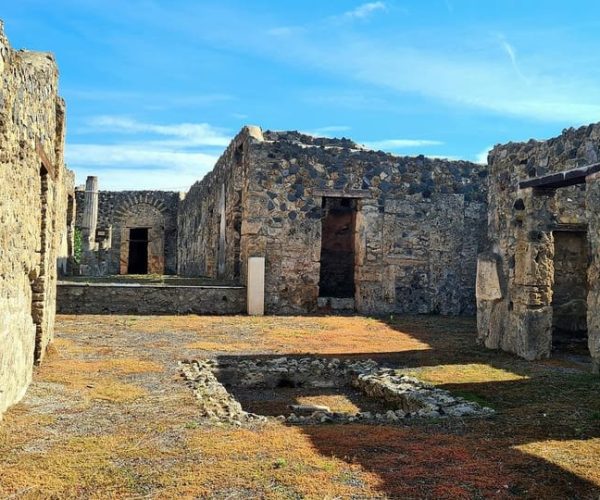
404 397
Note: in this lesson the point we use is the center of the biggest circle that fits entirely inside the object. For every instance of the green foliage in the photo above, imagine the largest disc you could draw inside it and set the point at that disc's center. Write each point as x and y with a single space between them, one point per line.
77 245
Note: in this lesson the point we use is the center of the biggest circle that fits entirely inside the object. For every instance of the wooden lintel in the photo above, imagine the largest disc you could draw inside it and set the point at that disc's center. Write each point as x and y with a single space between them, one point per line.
561 179
338 193
44 159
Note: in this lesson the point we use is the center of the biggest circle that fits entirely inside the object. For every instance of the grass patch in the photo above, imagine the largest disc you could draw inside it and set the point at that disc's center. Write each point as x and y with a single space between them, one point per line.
111 390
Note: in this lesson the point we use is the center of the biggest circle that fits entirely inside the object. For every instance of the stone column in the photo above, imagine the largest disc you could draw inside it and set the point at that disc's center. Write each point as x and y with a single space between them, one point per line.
90 213
592 199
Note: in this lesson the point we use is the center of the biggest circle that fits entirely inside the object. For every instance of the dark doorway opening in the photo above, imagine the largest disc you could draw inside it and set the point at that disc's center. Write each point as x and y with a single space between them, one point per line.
569 297
138 251
337 248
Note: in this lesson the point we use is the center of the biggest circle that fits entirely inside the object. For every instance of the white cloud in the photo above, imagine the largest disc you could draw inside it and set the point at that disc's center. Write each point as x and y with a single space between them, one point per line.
458 67
364 10
512 55
391 144
481 158
327 131
154 155
137 166
443 157
185 134
135 155
146 99
458 79
470 72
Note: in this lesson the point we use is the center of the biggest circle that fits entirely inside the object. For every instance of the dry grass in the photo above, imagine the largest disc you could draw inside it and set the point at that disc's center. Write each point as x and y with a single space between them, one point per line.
95 379
279 461
136 435
469 373
338 403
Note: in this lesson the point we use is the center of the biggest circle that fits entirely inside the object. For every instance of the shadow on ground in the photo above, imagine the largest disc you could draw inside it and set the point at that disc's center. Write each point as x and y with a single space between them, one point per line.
539 444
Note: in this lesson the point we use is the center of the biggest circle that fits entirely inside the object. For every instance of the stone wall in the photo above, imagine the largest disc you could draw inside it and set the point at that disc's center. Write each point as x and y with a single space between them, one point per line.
118 211
210 216
96 298
34 190
419 222
516 275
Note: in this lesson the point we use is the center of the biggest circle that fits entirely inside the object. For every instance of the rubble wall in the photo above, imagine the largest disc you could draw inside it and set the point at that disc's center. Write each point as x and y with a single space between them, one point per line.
210 215
120 210
113 298
516 275
419 222
34 189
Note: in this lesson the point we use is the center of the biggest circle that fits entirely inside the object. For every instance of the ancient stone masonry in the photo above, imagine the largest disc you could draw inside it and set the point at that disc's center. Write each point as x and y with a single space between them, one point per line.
120 298
402 397
537 286
338 224
36 208
127 232
210 216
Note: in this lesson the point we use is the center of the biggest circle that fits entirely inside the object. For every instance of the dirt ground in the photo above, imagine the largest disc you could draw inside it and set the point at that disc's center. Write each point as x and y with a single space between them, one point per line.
109 416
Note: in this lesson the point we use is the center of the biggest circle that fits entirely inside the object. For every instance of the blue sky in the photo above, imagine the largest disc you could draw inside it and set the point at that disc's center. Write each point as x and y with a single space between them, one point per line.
156 89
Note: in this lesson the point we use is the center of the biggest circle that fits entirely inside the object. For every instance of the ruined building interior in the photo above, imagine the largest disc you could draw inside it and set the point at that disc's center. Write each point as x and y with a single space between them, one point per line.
341 228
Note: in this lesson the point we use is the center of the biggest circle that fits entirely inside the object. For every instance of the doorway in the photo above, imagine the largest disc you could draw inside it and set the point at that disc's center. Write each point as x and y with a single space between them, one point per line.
337 248
569 297
138 251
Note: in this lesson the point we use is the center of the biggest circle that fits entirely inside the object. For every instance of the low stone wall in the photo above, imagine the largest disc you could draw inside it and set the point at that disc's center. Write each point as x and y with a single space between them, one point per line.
111 298
407 397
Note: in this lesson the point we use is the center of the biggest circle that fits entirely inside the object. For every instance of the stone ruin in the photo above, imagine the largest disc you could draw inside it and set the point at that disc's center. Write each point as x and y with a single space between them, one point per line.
339 226
36 212
402 398
350 229
538 285
126 232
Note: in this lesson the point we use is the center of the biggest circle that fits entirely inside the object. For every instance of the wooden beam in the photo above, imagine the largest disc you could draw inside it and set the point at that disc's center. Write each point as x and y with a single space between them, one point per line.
561 179
45 161
571 228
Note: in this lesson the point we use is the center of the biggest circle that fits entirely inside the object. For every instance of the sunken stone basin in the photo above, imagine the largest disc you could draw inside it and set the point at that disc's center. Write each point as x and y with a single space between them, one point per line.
397 397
